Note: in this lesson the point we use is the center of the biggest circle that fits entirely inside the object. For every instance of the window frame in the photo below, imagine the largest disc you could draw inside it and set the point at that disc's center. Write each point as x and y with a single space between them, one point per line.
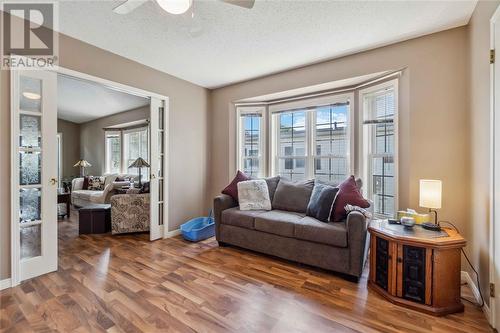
241 111
125 168
309 105
365 144
106 151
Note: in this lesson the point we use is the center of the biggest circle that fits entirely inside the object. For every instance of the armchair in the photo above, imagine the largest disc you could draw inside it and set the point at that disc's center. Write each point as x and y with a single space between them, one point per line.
130 213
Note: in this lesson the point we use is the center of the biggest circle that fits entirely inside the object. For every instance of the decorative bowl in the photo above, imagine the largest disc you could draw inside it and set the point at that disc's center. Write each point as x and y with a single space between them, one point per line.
408 221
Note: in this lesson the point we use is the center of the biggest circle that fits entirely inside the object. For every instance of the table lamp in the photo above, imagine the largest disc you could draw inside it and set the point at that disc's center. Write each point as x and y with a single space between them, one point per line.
82 164
430 197
139 163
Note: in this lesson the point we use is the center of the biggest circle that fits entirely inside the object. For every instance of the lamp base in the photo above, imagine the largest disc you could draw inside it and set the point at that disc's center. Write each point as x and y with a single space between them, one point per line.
431 226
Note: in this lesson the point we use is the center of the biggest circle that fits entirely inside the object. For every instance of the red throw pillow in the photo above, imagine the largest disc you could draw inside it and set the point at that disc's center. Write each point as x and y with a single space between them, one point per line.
86 182
232 188
348 195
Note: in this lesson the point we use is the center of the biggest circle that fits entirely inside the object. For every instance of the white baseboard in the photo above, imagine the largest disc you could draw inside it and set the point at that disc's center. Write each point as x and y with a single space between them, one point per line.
466 278
5 283
173 233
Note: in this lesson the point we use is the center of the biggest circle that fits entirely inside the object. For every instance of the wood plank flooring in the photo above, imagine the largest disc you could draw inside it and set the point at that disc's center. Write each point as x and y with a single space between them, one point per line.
127 284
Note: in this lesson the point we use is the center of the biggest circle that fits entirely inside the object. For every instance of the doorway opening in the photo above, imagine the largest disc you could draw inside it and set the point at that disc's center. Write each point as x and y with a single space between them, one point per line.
77 141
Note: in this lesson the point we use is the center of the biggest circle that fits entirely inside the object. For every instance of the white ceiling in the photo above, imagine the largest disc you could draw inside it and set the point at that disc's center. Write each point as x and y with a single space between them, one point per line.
81 101
237 44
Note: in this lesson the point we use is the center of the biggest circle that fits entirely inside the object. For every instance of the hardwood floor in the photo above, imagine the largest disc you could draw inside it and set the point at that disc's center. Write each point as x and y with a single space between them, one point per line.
128 284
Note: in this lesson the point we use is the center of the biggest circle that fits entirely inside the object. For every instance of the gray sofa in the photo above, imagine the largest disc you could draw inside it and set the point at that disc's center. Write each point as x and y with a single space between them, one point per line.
336 246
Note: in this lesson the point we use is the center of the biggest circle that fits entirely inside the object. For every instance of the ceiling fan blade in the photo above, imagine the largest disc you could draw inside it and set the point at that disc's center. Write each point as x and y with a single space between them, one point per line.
128 6
242 3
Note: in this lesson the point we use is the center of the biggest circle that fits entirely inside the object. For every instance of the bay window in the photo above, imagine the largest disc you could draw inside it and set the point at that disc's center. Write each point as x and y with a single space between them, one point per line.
318 137
123 147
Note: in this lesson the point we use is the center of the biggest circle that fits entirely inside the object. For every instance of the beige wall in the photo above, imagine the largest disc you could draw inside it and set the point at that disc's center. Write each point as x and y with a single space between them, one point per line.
92 137
71 146
188 131
433 122
479 118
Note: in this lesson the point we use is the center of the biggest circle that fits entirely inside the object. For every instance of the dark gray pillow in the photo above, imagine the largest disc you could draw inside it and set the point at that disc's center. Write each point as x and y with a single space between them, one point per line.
272 184
321 202
293 196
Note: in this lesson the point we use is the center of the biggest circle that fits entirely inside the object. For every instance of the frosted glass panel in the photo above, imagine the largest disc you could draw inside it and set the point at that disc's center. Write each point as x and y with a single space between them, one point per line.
160 190
31 241
30 132
160 142
30 168
160 214
31 94
29 204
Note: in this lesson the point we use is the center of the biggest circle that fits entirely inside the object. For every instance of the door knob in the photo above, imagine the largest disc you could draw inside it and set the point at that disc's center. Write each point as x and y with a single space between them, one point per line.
153 176
53 181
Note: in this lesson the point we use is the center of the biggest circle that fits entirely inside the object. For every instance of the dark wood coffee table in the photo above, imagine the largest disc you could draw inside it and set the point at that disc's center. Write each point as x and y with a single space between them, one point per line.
65 198
94 219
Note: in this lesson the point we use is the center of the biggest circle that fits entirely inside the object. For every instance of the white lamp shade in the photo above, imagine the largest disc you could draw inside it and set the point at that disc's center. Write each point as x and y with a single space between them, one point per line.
430 193
175 6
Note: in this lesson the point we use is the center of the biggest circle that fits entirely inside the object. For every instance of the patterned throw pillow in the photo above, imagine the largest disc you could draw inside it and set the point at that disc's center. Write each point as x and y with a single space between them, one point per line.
254 195
96 184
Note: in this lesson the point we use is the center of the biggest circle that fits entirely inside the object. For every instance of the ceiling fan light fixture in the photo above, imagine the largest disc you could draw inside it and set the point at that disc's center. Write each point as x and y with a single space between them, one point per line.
175 7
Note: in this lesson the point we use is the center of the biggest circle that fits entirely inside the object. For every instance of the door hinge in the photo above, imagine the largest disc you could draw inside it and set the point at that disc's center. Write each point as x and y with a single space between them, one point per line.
492 290
492 56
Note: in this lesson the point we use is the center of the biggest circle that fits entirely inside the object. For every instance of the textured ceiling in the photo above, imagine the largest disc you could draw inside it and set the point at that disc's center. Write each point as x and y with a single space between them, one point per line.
226 44
81 101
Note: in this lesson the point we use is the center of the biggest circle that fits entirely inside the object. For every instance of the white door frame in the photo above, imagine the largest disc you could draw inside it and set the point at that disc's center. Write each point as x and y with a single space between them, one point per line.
494 172
126 89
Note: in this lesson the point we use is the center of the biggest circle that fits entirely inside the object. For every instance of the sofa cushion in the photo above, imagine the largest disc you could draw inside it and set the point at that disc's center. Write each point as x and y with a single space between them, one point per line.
278 222
321 202
293 196
311 229
240 218
88 195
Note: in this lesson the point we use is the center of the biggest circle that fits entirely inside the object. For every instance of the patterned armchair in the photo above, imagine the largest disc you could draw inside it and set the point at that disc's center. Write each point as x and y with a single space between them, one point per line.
130 213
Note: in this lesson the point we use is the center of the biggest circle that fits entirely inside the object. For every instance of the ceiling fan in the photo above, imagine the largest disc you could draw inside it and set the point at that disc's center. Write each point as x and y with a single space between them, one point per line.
173 6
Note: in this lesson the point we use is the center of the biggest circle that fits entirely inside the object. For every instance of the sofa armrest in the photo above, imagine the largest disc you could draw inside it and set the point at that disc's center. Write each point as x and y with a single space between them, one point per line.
221 203
357 225
77 184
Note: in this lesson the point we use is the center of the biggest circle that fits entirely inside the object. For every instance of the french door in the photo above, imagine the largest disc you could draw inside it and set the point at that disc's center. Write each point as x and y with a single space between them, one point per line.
34 173
158 168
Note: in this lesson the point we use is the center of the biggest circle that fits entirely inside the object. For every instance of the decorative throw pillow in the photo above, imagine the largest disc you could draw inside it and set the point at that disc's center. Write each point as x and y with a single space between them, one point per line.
96 184
321 202
254 195
272 184
86 182
293 196
349 194
232 188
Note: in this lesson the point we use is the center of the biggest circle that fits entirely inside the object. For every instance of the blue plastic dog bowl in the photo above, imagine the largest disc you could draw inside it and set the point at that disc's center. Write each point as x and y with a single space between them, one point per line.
198 229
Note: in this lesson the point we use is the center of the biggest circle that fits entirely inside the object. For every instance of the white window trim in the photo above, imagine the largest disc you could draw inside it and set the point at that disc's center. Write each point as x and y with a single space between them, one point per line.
241 111
364 167
276 109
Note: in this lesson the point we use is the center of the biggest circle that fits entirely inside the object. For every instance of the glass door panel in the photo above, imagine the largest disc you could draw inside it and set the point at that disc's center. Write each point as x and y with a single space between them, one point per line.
34 163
